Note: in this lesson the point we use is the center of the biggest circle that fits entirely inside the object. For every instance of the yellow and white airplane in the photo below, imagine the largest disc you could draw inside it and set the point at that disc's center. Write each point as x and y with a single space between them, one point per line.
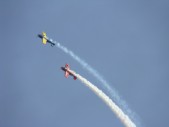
45 39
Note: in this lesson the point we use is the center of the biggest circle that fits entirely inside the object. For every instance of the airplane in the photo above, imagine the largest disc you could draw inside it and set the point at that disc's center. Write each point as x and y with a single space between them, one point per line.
67 72
45 39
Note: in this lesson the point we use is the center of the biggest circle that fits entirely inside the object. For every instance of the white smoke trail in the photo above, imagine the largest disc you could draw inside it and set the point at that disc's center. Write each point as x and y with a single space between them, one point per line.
112 91
118 112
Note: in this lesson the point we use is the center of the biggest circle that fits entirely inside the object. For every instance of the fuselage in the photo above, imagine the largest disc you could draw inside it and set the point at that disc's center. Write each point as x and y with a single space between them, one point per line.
65 69
48 40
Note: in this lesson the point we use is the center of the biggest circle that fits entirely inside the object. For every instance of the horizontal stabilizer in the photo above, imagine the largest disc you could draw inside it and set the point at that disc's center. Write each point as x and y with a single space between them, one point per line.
75 78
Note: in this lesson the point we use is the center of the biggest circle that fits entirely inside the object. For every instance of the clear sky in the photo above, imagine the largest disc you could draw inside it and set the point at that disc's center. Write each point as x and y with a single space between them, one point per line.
126 41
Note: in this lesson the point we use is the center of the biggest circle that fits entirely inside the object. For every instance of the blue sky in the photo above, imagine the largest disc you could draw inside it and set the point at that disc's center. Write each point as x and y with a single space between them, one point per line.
126 41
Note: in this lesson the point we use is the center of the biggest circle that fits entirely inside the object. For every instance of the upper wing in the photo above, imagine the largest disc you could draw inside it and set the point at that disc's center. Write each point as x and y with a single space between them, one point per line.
44 39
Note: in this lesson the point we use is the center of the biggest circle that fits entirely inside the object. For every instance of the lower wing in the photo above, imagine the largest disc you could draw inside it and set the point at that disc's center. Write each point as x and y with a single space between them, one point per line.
66 74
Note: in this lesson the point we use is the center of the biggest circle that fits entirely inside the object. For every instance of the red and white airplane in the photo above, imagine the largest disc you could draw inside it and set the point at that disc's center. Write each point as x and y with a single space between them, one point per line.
67 72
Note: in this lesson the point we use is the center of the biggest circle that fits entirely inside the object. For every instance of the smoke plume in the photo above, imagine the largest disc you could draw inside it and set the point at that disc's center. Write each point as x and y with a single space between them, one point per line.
118 112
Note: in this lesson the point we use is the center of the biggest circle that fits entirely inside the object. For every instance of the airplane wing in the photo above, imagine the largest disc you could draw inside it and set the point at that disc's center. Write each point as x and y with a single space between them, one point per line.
66 74
44 39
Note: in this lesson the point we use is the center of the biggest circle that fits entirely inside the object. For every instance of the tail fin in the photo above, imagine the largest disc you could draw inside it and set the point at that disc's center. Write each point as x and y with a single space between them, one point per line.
75 78
44 38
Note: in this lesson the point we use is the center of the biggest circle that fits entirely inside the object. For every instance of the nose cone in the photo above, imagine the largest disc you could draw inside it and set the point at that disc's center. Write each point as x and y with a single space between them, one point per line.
62 68
39 35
